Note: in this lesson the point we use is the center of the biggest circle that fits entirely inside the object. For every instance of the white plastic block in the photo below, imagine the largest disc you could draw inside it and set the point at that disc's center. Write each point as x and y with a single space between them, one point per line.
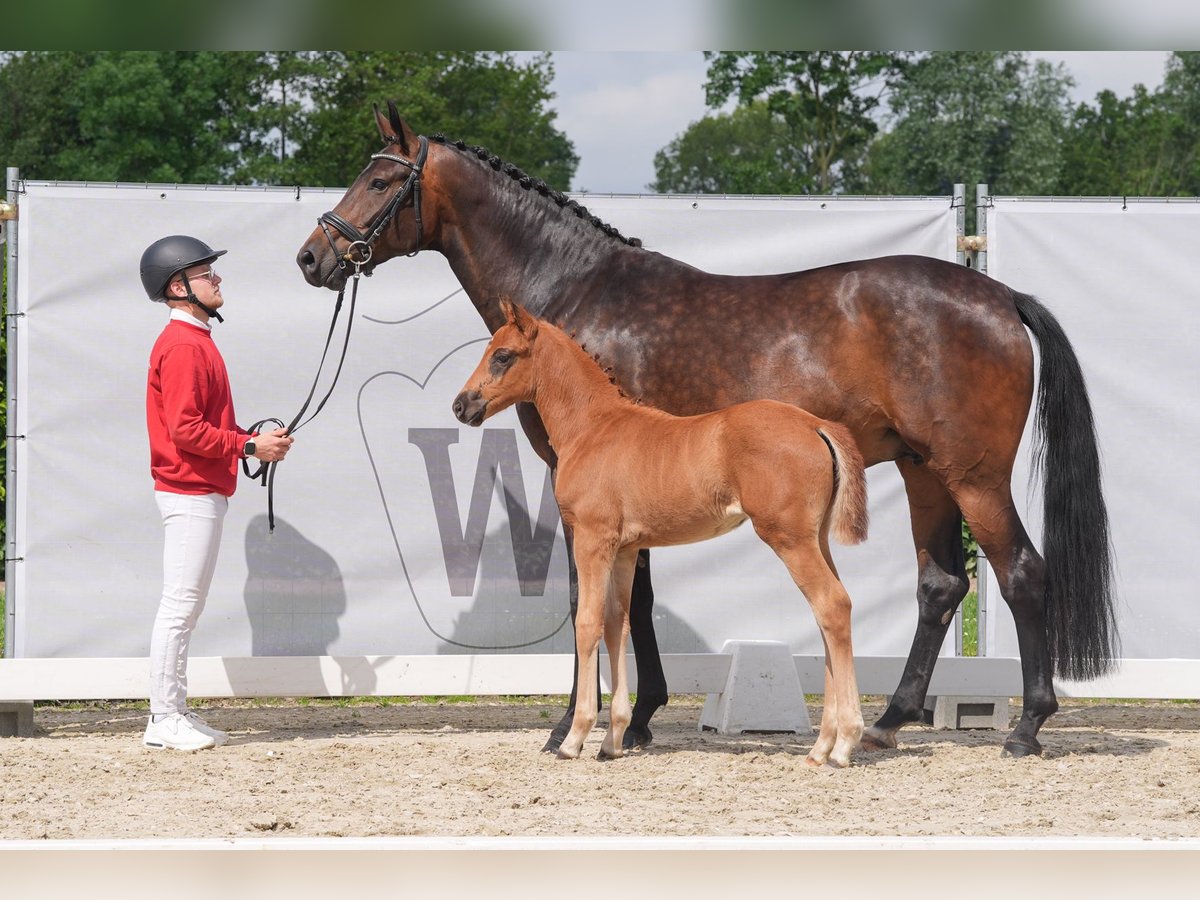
762 692
16 718
971 712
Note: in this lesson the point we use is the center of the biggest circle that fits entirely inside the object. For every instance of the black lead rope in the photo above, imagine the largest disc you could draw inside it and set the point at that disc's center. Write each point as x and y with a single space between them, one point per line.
266 470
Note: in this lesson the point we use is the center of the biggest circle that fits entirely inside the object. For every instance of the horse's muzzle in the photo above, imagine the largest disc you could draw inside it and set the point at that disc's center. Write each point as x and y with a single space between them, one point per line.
318 266
470 408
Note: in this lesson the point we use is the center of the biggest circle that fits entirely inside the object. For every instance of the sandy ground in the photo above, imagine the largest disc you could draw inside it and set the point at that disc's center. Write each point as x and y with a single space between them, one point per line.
449 769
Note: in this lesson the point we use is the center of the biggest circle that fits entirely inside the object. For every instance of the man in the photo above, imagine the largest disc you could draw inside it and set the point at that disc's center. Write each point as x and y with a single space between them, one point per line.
195 448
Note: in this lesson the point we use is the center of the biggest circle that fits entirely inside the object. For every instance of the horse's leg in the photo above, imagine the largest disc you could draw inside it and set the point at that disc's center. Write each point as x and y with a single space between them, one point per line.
616 631
941 585
652 683
595 573
564 724
1021 573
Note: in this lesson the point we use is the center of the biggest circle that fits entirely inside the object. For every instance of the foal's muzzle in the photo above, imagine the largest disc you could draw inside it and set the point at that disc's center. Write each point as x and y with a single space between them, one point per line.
470 408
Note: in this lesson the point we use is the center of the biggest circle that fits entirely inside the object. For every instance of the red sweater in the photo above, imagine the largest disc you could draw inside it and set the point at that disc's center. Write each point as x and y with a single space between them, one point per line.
195 442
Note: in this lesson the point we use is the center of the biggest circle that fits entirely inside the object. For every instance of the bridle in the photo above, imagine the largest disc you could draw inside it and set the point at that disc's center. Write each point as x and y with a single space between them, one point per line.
358 254
361 243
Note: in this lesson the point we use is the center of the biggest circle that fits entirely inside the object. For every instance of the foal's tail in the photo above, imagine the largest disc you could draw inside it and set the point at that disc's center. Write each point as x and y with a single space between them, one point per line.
848 511
1080 623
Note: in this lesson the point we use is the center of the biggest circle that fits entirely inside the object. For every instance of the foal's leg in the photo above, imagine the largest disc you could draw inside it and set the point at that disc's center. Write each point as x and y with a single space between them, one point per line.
652 683
810 566
595 562
564 724
616 631
941 585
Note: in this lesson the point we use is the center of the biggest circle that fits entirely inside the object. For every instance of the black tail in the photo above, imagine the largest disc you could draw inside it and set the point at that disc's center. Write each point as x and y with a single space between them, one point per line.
1080 623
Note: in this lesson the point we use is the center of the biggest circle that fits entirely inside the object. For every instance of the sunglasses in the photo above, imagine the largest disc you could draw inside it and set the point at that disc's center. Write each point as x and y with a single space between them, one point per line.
210 276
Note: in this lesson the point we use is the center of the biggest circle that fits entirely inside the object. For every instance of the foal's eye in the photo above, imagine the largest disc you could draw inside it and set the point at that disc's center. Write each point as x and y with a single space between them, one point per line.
502 357
378 184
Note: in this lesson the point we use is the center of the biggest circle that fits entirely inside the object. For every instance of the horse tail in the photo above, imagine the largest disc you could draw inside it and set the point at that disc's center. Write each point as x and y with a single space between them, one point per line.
1081 625
848 508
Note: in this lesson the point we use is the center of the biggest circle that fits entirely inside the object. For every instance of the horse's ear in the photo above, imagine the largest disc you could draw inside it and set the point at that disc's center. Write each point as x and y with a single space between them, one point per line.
393 129
405 139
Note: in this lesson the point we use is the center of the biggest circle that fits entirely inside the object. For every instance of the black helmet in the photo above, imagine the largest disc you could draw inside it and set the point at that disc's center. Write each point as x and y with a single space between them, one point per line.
168 255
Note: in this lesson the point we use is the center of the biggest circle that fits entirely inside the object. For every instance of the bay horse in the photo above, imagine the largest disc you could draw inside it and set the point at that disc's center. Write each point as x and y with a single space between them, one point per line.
898 349
632 477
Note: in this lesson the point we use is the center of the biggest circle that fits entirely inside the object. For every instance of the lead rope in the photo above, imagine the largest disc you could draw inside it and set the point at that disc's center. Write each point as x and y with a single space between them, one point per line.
266 470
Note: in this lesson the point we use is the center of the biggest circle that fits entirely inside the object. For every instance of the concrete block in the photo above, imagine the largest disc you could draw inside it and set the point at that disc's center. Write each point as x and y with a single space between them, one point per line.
16 718
762 692
971 712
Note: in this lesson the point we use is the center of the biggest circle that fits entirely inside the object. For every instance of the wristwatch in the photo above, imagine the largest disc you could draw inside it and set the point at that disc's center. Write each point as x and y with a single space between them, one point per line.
248 449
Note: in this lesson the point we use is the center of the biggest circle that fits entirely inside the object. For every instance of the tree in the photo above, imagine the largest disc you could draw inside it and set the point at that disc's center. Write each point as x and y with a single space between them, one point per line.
481 98
293 117
826 98
115 116
974 116
1119 147
747 151
1180 97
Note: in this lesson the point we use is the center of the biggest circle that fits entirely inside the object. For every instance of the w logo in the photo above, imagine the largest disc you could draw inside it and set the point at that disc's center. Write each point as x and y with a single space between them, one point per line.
532 544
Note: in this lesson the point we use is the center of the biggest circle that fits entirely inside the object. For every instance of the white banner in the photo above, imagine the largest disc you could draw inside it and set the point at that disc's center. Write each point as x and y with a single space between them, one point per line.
1121 277
399 531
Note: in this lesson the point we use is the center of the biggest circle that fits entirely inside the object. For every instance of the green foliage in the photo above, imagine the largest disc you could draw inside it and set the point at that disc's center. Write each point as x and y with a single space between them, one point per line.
747 151
1147 144
481 98
970 624
974 117
970 550
1119 146
291 117
827 100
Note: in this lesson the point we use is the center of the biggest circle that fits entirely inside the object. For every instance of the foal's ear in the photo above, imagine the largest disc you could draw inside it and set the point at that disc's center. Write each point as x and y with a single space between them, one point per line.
519 317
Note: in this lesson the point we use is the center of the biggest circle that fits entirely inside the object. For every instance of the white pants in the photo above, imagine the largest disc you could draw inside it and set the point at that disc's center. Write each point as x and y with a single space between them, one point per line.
193 535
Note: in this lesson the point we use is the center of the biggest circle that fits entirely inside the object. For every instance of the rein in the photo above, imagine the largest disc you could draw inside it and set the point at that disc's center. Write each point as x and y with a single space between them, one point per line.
358 254
266 470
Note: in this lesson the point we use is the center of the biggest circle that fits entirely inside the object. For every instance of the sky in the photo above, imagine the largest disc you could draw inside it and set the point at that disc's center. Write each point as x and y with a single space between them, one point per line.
620 108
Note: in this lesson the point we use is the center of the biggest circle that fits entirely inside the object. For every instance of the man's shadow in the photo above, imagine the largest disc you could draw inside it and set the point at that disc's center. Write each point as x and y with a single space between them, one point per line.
294 598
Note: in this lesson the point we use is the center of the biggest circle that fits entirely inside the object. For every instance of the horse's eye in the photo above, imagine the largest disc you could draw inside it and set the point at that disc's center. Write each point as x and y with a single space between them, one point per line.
502 357
378 184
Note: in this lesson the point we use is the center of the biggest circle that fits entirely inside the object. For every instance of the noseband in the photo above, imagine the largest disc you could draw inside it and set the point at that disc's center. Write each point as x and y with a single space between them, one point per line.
360 250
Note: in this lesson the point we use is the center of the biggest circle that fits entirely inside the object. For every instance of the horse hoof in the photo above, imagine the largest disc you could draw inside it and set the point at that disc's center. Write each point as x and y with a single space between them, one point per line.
555 741
637 738
605 756
1018 749
561 754
875 739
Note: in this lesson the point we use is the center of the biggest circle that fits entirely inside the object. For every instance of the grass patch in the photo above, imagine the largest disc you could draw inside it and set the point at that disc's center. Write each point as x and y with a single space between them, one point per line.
970 624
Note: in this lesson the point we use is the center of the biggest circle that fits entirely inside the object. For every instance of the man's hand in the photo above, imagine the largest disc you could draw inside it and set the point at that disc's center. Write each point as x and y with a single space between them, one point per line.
272 446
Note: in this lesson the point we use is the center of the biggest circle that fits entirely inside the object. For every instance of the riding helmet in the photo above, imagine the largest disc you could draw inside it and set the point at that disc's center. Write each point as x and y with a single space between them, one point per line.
168 255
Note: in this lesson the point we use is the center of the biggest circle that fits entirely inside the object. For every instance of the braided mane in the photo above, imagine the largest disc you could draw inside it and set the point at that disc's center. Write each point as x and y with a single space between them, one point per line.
529 183
609 371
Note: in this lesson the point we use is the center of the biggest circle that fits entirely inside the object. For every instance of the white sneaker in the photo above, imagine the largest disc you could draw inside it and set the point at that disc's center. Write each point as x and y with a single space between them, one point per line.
175 733
218 736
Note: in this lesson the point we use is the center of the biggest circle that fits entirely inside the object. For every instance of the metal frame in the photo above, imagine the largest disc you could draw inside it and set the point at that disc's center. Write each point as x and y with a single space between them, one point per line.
11 551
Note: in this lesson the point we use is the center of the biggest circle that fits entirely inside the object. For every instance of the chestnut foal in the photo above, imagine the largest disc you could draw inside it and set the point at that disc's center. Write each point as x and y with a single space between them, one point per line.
631 476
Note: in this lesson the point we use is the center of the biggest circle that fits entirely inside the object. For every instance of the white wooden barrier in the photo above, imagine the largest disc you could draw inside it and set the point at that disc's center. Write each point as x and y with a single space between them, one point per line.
698 673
